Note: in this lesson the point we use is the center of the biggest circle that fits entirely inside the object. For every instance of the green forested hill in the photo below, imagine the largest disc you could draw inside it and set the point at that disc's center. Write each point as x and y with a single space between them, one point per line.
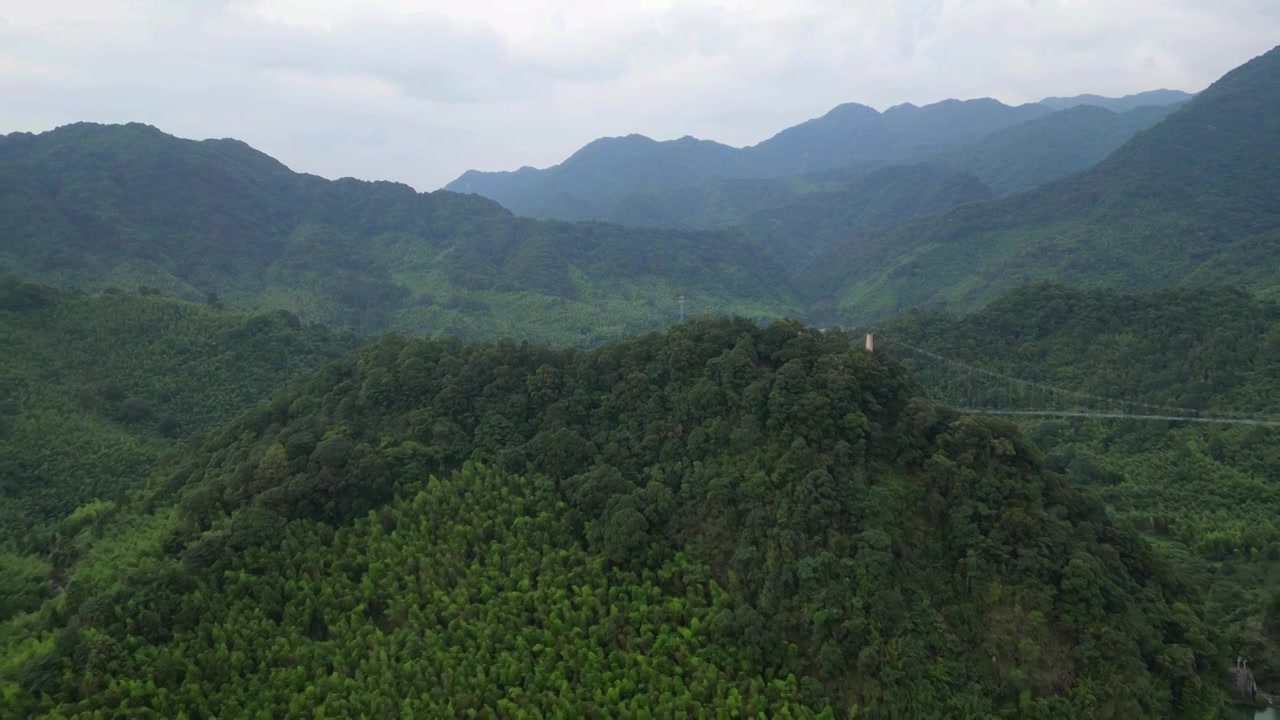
1206 495
94 206
93 389
755 519
1193 200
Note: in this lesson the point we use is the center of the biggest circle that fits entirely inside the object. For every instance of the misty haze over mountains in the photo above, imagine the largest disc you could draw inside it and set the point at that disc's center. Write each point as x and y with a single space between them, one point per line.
591 181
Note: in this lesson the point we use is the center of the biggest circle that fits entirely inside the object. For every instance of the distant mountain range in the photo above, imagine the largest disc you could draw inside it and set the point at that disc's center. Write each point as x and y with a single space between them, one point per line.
1193 200
799 217
1190 197
1121 104
851 137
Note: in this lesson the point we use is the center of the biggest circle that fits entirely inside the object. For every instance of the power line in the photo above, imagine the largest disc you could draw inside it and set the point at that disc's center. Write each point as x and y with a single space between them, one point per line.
1122 416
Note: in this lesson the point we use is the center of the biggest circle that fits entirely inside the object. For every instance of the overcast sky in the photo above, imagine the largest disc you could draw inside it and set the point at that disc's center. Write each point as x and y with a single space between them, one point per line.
419 91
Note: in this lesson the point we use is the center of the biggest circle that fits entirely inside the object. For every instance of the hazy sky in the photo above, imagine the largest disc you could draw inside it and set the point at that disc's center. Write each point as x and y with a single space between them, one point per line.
421 91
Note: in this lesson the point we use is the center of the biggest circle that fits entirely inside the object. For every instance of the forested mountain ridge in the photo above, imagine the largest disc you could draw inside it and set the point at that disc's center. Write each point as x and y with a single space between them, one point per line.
852 134
848 135
1149 98
607 176
1205 494
1193 200
94 206
799 218
762 519
606 168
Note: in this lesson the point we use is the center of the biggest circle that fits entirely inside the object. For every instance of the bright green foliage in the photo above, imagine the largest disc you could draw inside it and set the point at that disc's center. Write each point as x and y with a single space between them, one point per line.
724 514
94 206
460 597
1193 200
26 584
94 388
1205 494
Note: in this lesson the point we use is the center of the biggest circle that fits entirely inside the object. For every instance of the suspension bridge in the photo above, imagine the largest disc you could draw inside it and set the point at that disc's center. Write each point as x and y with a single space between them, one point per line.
980 391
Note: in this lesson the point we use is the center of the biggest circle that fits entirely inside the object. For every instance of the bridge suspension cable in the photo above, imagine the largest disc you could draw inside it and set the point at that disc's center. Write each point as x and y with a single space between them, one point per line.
977 390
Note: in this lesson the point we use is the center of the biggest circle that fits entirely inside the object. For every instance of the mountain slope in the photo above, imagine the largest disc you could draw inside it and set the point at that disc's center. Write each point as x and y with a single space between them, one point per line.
796 219
1194 199
761 519
1040 151
587 184
93 389
1205 494
803 228
93 206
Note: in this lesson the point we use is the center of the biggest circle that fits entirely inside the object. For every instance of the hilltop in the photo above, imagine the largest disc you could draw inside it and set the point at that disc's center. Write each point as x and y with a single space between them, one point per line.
762 519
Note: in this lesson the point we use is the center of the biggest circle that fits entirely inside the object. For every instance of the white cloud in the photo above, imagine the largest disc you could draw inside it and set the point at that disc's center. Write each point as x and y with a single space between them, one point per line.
421 91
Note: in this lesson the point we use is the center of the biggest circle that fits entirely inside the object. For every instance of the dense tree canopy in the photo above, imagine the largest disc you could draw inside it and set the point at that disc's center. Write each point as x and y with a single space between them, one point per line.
768 519
1205 494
